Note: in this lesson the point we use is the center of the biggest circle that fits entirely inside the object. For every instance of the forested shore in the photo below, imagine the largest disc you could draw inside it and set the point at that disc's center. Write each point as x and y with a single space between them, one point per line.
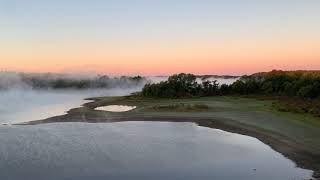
297 91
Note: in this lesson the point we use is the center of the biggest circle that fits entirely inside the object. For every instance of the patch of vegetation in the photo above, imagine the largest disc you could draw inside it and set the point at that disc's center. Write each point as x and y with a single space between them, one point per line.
181 107
180 86
296 105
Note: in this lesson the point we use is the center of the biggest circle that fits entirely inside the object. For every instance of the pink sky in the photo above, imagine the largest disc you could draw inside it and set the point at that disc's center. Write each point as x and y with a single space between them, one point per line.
234 59
157 38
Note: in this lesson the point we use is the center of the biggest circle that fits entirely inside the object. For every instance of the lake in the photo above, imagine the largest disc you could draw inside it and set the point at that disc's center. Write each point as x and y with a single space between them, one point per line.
137 150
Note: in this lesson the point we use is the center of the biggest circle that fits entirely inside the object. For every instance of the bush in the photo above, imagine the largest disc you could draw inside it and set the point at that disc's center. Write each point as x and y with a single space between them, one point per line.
224 89
306 92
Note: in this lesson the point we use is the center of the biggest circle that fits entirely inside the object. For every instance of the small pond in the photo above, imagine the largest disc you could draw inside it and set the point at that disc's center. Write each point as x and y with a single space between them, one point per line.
116 108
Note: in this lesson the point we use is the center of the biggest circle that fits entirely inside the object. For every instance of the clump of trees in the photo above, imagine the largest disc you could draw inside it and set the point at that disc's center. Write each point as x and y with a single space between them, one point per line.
303 84
181 85
177 86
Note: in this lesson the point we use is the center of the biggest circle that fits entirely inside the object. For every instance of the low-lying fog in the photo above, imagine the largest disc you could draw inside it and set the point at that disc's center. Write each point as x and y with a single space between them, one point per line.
26 105
26 97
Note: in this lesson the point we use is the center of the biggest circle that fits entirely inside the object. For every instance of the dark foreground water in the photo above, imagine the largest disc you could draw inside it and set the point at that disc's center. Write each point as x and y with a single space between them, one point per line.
138 151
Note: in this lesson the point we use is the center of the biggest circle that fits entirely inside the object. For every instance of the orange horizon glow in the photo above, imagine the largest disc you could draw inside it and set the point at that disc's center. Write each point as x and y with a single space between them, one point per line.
219 60
212 37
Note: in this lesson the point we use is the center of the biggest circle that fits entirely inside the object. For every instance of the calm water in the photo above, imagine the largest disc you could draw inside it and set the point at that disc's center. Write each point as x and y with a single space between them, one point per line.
26 105
137 150
116 108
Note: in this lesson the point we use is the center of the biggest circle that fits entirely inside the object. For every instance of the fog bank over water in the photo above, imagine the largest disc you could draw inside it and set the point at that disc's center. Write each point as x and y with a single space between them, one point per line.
49 81
27 97
26 105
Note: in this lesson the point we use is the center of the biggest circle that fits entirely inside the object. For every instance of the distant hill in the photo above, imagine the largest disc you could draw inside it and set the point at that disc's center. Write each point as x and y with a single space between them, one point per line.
314 73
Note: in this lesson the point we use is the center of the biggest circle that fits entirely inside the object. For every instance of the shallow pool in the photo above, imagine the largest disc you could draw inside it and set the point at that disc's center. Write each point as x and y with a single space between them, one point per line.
116 108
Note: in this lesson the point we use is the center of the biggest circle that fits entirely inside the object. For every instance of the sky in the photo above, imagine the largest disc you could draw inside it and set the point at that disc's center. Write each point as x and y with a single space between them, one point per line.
159 37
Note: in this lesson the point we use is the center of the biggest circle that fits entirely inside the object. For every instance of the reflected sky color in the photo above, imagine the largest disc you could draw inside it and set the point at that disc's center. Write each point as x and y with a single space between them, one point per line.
138 151
159 37
27 105
116 108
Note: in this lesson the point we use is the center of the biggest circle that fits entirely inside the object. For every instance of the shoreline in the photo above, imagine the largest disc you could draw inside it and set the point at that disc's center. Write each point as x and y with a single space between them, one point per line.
288 147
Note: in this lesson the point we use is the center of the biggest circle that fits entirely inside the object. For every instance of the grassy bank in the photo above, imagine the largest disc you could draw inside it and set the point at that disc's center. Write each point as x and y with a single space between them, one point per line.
295 135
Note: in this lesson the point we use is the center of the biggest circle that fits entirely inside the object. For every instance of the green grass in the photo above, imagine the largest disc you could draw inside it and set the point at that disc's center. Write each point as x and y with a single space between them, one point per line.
180 107
261 114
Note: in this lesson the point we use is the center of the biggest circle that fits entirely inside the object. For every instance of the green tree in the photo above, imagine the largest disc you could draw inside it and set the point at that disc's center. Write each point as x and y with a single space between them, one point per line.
224 89
238 87
306 92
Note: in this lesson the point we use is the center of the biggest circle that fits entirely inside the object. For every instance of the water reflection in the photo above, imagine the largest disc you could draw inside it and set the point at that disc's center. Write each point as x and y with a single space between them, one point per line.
115 108
137 150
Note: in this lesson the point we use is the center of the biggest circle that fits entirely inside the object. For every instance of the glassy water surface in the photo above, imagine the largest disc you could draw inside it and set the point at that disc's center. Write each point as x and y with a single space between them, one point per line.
26 105
137 150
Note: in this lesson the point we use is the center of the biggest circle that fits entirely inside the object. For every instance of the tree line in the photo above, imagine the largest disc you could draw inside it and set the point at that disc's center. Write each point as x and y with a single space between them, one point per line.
304 84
